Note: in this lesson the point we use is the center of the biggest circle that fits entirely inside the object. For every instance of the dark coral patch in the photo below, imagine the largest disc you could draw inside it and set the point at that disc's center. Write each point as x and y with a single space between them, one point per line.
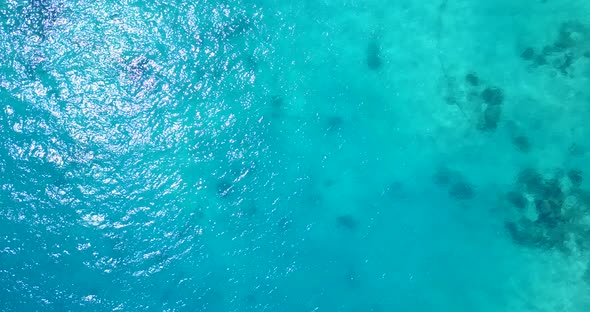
526 234
552 191
540 60
569 36
576 150
516 199
565 63
527 54
554 223
347 221
522 143
575 176
548 213
374 61
445 176
491 118
586 276
472 79
461 191
530 180
276 101
276 104
492 96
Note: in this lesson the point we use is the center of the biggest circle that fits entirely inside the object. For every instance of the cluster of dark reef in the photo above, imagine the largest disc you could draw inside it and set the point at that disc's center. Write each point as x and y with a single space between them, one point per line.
571 46
478 101
489 98
549 212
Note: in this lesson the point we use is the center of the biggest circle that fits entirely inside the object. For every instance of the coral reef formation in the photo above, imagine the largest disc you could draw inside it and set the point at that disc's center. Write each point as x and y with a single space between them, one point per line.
549 212
571 46
492 98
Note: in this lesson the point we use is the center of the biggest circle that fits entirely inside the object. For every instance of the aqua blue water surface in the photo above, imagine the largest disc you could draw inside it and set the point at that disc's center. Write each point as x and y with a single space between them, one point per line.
265 155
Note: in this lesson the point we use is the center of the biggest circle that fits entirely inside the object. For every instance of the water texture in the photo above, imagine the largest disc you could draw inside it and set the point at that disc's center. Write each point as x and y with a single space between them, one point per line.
263 155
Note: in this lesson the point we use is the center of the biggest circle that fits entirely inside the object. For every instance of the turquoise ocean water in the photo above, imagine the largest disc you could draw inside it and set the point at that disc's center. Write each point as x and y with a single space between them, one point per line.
263 155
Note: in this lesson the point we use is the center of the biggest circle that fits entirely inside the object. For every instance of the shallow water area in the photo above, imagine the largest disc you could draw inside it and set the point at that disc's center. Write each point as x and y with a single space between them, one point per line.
294 156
